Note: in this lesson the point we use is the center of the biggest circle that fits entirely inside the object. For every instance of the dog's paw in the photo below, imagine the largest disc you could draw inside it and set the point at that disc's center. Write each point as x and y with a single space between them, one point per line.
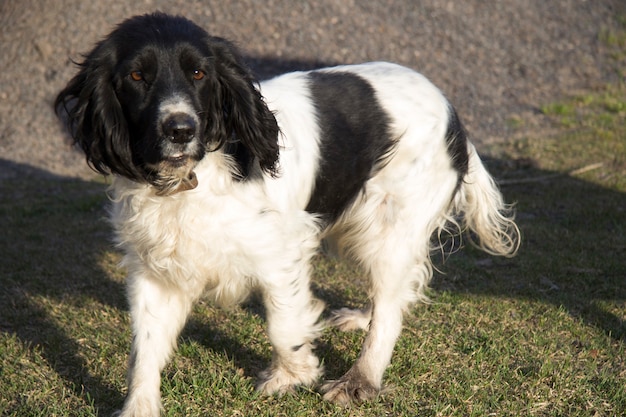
350 388
276 382
346 319
137 412
280 379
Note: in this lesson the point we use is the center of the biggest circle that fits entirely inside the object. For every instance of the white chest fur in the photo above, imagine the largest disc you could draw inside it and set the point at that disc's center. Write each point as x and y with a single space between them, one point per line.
221 237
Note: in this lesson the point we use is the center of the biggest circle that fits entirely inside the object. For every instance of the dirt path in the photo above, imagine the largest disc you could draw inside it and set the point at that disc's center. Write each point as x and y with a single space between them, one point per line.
493 59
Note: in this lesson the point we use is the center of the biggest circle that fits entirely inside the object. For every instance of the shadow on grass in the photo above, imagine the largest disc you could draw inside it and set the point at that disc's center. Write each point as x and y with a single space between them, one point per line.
54 234
573 252
55 238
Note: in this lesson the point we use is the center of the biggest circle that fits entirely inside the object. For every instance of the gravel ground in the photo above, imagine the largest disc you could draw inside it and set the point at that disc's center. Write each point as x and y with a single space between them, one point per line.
495 59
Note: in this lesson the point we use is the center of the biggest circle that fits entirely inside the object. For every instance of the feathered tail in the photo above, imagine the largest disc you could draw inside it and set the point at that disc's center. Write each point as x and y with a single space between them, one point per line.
482 210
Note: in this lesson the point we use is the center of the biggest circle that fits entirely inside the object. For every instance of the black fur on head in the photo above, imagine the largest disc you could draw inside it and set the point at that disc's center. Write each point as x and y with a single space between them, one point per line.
114 106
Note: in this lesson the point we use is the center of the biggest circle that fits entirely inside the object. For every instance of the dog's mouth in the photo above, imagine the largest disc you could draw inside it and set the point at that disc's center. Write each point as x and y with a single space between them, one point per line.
174 174
177 160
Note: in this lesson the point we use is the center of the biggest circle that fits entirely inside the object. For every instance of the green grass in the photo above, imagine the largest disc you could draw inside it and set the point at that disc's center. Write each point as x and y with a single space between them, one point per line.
541 334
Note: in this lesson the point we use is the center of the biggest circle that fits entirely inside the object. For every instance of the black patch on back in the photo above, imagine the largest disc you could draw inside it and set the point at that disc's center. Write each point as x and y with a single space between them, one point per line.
456 141
355 139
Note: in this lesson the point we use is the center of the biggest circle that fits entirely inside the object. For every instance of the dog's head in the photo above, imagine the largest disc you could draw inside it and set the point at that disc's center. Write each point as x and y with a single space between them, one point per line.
158 93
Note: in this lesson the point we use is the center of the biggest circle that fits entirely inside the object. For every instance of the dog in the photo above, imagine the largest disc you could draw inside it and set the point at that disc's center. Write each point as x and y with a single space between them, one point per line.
223 185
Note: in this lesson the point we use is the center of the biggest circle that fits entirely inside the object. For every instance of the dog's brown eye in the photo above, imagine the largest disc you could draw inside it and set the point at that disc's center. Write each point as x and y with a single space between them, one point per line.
136 75
198 75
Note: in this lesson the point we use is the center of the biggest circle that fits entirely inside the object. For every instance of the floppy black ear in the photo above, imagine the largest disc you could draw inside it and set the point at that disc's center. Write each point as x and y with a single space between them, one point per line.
94 117
246 118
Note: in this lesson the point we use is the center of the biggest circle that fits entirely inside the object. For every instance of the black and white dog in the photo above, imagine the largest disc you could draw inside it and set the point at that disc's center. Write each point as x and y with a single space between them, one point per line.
222 185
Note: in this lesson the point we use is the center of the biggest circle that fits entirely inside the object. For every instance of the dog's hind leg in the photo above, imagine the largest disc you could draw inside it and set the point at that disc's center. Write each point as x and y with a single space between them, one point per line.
347 319
389 302
389 235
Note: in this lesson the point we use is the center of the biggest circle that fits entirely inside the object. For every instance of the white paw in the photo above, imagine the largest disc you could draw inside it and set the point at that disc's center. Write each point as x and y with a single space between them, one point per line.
139 408
283 376
346 319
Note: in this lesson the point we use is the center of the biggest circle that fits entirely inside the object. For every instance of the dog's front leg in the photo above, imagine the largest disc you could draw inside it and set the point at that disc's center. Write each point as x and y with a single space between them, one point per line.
158 313
292 316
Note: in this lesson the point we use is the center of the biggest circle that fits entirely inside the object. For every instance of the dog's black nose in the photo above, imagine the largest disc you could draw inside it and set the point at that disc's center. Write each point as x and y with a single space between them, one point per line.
179 128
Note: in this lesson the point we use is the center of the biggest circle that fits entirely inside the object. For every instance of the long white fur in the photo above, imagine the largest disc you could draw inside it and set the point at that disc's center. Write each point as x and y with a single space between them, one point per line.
226 237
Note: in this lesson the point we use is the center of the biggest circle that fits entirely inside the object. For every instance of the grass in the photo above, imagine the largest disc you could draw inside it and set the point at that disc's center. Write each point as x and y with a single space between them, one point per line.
542 334
589 136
